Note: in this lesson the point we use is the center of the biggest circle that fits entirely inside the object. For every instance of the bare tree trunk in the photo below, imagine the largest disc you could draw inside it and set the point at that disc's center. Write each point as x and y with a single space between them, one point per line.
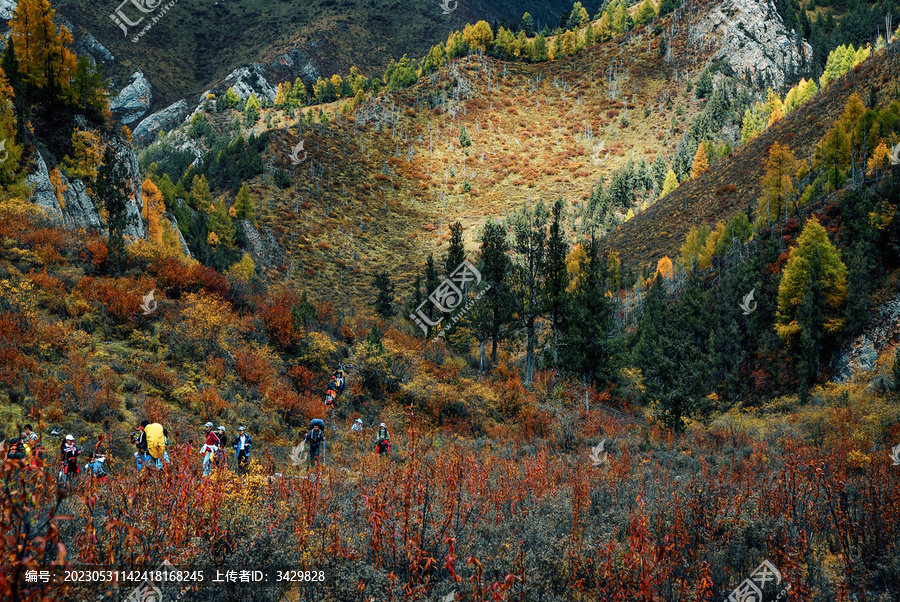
529 353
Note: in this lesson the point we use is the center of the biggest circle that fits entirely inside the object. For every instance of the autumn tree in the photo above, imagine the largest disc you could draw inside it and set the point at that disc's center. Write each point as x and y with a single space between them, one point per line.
243 206
777 184
813 289
201 196
701 163
45 60
670 184
112 193
646 12
154 208
221 223
12 151
252 109
87 151
478 36
665 268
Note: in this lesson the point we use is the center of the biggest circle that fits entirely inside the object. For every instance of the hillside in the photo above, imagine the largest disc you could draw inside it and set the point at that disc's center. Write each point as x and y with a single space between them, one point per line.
195 46
732 186
608 314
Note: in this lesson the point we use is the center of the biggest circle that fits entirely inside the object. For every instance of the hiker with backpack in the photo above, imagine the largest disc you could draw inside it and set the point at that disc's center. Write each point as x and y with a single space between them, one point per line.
99 457
383 440
16 449
142 456
315 438
209 448
221 457
242 445
69 453
157 439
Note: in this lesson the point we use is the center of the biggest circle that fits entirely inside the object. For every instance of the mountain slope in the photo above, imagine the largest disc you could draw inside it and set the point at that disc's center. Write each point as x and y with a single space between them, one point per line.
661 229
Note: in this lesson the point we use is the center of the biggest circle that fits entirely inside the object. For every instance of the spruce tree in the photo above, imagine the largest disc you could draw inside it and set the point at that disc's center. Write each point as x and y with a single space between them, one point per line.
530 248
591 350
556 275
384 302
456 253
112 193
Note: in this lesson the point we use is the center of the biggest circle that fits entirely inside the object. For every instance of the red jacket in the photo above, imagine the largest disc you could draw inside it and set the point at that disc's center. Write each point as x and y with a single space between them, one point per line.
212 439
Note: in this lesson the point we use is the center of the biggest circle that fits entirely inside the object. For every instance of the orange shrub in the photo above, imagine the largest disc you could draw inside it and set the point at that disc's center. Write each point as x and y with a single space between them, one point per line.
251 367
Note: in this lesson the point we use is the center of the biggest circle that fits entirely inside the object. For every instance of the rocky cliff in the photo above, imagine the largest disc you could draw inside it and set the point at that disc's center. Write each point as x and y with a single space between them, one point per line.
751 36
70 205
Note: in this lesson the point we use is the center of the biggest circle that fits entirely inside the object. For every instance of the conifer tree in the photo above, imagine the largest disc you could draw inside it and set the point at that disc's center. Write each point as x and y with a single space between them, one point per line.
556 276
384 302
670 184
252 109
591 349
530 249
814 274
243 206
701 163
112 193
456 253
154 208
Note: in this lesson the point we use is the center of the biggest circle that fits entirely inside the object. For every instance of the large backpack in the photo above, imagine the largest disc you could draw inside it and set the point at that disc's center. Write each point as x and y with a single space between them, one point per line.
156 440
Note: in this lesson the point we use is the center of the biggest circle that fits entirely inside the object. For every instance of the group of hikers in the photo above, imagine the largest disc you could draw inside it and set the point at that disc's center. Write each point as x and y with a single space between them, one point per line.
151 439
315 438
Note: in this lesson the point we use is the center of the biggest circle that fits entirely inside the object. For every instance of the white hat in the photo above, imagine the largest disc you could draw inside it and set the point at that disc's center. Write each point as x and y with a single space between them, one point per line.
359 420
208 425
242 428
221 428
383 424
70 438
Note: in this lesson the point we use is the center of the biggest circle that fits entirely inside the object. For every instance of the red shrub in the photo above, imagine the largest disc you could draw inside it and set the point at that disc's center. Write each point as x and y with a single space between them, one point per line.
251 368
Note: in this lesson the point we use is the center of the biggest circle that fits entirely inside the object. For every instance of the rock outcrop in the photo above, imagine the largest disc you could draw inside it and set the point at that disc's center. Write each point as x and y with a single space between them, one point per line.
7 7
263 247
44 193
170 117
78 210
751 36
174 223
861 354
133 100
88 45
250 79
